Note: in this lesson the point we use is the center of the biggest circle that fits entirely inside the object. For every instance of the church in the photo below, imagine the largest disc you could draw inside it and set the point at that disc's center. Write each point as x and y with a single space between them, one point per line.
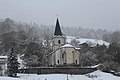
63 54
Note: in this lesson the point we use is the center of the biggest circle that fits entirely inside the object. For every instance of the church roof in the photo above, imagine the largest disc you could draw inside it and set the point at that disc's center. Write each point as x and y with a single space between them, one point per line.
57 29
67 46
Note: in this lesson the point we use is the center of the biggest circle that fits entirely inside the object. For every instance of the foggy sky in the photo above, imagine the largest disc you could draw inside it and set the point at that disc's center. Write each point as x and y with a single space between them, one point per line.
103 14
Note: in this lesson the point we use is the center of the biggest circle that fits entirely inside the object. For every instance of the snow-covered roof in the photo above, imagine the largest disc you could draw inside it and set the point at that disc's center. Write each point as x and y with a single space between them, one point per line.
3 57
67 45
77 48
92 42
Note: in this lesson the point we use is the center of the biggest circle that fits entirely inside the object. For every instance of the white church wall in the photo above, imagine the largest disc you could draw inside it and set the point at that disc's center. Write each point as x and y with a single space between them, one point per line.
68 55
53 59
56 43
72 56
76 57
58 55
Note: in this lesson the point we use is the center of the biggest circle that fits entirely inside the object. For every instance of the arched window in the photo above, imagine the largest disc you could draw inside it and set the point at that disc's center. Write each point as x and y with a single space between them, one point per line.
76 61
58 62
58 41
62 55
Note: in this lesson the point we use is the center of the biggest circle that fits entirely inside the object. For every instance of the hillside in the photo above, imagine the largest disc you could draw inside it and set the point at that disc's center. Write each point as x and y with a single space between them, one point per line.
92 42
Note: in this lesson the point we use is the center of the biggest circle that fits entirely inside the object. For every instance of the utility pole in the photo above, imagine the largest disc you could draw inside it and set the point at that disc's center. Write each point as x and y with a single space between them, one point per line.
67 72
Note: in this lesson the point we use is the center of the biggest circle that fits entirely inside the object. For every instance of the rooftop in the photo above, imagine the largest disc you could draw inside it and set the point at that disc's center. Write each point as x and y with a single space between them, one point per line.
67 45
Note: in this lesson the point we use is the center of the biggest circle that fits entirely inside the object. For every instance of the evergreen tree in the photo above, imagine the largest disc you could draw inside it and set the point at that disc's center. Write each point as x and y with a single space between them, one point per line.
12 64
113 52
112 61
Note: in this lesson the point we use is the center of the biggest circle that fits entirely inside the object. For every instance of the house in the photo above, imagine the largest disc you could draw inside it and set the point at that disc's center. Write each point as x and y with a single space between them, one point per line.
63 53
3 65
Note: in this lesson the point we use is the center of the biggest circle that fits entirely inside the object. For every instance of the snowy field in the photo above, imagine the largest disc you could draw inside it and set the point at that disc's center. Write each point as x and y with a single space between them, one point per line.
97 75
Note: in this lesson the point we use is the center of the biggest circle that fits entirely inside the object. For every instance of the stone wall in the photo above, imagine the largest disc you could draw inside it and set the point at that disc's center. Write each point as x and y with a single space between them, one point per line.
57 70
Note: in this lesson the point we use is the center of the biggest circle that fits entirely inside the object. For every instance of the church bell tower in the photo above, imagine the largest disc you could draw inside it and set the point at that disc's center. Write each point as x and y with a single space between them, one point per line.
58 38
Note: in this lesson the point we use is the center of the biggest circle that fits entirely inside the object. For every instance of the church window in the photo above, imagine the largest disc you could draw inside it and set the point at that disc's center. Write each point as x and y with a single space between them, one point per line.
76 61
62 55
58 62
58 41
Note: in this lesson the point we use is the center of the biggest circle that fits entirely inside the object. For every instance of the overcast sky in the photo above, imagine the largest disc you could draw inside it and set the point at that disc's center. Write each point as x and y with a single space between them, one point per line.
103 14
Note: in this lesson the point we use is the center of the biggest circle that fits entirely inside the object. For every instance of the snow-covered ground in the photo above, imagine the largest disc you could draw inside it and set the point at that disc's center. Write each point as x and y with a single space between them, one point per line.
93 42
97 75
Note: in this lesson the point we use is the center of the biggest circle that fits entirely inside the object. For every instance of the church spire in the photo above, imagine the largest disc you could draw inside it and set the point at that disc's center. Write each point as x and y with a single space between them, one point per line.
57 29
